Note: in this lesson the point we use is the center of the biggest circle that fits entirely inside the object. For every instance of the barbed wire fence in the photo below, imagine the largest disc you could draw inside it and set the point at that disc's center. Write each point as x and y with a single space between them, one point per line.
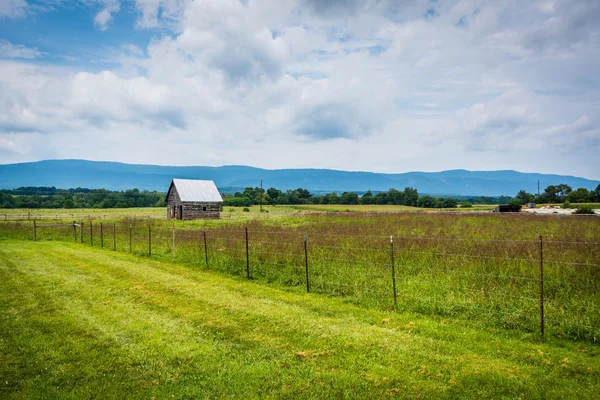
539 285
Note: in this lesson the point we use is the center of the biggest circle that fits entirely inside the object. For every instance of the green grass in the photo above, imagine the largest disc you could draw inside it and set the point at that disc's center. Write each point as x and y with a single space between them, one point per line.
78 322
480 268
228 213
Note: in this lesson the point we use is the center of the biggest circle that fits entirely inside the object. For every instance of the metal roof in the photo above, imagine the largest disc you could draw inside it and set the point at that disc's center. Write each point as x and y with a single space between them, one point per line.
196 190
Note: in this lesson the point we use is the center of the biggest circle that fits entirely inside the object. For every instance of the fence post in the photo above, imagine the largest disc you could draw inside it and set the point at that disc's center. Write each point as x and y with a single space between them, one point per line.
130 238
34 231
541 286
247 257
114 237
306 264
74 231
81 231
149 241
173 227
393 270
101 236
91 233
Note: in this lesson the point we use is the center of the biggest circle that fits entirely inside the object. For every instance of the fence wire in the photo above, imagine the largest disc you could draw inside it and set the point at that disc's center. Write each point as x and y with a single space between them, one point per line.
463 278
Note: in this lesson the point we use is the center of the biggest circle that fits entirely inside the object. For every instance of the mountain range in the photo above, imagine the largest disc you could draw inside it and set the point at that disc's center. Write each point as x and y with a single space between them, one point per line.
66 174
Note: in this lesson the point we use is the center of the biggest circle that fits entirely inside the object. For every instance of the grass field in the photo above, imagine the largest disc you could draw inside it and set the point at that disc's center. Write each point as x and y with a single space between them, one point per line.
480 268
78 322
227 213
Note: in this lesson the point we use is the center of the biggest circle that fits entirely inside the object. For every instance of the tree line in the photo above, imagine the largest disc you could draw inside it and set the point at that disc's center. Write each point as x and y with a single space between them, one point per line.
558 194
51 197
407 197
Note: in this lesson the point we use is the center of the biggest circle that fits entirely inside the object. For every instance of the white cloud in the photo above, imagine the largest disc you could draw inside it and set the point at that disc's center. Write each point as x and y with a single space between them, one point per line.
153 13
100 98
9 50
12 8
102 19
346 85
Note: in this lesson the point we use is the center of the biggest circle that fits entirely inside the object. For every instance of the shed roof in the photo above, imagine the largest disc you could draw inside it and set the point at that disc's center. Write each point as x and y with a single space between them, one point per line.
196 190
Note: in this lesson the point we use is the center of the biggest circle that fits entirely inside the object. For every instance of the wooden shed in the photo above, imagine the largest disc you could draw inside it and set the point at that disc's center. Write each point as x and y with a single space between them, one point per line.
193 199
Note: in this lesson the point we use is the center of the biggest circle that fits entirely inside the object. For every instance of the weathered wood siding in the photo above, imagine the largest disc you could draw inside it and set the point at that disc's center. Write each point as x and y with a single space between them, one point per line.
201 210
191 210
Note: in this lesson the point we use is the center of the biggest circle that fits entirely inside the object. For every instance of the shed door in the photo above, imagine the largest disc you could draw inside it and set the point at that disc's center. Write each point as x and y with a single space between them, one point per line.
180 212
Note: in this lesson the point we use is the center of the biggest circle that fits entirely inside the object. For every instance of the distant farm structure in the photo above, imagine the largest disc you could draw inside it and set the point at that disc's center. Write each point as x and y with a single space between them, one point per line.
193 199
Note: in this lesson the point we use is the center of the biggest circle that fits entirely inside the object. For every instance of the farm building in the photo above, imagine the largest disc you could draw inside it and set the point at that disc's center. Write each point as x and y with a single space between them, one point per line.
193 199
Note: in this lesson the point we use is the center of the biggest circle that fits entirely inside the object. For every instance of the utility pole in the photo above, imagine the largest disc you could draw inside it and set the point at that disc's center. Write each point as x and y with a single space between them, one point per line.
538 188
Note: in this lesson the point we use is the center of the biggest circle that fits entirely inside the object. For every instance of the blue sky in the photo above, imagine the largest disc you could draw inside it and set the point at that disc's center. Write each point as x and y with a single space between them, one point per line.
380 85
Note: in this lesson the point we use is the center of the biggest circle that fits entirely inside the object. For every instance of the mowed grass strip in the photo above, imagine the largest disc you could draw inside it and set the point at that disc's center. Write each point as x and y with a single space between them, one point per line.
77 322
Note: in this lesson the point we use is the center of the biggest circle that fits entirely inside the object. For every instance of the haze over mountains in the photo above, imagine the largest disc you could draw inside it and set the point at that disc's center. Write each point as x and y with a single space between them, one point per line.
66 174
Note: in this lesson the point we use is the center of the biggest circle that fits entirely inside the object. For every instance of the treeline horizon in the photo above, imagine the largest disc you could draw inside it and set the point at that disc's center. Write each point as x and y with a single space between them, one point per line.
51 197
407 197
558 194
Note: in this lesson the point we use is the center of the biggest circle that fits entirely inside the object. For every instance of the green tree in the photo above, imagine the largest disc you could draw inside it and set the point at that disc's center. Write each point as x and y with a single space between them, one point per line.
367 198
581 195
303 193
237 201
411 196
449 203
331 198
349 198
381 198
558 193
523 197
395 197
273 193
427 202
541 198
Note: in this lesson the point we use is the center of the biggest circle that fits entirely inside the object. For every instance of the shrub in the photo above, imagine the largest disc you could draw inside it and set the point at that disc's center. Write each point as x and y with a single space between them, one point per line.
584 210
466 204
566 204
246 209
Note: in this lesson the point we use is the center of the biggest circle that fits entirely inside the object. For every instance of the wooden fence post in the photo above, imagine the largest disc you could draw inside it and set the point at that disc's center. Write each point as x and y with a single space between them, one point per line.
91 233
34 231
74 231
81 231
101 235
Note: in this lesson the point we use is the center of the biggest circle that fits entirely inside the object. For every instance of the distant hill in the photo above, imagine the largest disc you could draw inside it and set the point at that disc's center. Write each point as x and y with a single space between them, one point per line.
118 176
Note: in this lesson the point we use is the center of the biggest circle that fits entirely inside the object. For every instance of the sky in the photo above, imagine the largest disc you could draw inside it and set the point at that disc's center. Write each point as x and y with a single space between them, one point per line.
383 86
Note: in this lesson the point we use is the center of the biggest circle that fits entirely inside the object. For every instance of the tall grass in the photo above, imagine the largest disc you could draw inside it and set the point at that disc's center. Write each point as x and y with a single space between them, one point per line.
483 268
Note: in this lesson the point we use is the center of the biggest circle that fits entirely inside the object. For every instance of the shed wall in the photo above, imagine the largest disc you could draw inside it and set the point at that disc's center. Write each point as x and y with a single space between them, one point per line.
191 210
173 203
201 210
